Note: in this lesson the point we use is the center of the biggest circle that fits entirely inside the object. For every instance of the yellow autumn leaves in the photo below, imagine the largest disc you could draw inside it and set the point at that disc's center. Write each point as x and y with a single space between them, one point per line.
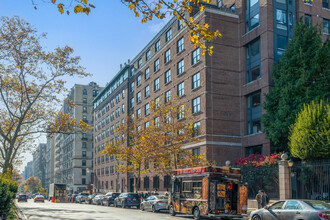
200 34
155 143
84 8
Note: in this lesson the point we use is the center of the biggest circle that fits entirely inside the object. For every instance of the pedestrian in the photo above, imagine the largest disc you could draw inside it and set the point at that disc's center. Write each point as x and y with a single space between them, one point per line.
264 199
258 198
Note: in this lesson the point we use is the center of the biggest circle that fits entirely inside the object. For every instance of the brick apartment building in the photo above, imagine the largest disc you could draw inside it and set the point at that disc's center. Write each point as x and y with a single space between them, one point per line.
225 91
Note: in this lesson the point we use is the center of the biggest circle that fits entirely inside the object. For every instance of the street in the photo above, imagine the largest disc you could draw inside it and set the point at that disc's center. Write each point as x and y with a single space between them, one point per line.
70 211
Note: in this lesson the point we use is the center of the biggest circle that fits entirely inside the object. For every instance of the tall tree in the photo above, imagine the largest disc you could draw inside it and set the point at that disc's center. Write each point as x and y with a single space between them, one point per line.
32 184
31 82
310 134
302 75
155 143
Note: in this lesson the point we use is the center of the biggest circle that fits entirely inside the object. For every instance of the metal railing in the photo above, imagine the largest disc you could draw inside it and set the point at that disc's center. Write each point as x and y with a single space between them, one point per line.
310 180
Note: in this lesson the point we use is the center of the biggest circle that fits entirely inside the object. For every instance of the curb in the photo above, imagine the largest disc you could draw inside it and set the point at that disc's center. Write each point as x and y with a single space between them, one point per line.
20 213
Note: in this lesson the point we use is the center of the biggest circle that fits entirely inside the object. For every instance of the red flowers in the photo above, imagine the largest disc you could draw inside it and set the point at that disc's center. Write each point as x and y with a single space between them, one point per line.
257 160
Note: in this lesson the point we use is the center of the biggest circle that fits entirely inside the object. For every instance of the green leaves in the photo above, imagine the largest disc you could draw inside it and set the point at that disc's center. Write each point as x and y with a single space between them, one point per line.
310 134
302 75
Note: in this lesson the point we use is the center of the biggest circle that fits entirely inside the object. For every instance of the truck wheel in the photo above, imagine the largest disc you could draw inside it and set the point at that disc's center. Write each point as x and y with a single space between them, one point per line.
197 213
172 211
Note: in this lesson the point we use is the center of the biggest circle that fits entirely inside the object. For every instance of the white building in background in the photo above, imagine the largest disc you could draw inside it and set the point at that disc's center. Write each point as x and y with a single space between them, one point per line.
73 152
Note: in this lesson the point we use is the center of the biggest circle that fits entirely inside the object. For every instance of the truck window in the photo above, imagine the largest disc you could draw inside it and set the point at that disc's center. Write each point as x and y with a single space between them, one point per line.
192 190
177 186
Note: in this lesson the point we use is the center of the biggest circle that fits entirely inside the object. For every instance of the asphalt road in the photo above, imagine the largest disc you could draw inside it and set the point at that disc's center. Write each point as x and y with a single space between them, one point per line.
72 211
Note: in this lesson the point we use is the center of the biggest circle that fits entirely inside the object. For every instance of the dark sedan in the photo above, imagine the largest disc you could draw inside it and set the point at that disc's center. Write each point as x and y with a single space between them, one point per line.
22 197
293 209
128 200
109 198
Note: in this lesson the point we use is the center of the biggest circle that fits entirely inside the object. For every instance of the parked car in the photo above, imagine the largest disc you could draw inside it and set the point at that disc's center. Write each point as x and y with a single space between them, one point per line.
89 199
293 209
39 198
155 203
109 198
97 200
81 197
22 197
128 200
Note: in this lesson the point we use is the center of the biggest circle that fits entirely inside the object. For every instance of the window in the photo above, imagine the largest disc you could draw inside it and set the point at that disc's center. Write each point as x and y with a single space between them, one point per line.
167 181
146 124
219 3
95 93
195 56
192 190
308 19
138 97
123 108
180 45
84 100
325 3
156 84
197 128
157 102
83 172
84 145
281 43
168 35
132 103
157 46
196 151
83 181
281 19
167 96
253 150
132 87
292 205
326 28
168 76
84 118
156 65
277 205
139 63
308 1
84 154
84 109
148 55
254 113
168 55
146 74
180 24
138 113
156 182
181 89
196 81
180 67
146 182
181 112
252 11
138 81
85 92
147 109
196 105
146 91
83 163
253 61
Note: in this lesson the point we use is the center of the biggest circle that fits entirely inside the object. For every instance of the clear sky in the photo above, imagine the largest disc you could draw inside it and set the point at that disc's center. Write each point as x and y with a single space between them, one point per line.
107 37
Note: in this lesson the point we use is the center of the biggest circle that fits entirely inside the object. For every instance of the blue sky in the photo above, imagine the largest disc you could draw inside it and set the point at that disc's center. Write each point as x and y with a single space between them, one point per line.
107 37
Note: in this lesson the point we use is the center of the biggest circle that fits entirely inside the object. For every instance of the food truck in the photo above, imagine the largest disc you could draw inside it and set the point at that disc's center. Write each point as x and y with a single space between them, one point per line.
208 191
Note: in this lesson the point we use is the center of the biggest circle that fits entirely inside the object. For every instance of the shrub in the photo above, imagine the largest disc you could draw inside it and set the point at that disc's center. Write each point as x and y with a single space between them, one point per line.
8 190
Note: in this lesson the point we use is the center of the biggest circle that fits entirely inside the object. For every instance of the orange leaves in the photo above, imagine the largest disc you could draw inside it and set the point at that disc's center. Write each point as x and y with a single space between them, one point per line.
53 1
60 8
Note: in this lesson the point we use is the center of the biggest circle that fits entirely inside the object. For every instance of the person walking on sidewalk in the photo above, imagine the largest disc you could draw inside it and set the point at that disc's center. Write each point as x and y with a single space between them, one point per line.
264 199
259 198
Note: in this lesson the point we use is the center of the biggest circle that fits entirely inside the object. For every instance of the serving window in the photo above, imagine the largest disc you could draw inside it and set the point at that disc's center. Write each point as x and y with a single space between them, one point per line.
192 189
